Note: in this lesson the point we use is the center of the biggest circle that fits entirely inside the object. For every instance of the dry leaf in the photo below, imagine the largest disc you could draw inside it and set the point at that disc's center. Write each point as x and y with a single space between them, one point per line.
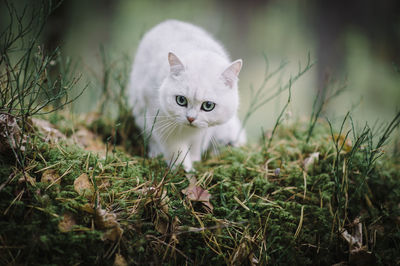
240 254
105 219
83 186
253 259
119 260
90 141
28 179
108 221
10 134
46 128
359 254
311 160
50 176
66 224
355 240
113 234
156 193
196 193
159 197
161 224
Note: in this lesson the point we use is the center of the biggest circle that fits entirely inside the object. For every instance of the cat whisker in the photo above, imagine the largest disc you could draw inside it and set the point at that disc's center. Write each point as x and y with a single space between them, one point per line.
214 145
157 125
162 126
151 129
161 116
172 130
166 132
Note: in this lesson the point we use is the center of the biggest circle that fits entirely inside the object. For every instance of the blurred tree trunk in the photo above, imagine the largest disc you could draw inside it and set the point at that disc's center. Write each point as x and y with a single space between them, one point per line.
242 15
378 21
69 15
61 20
57 26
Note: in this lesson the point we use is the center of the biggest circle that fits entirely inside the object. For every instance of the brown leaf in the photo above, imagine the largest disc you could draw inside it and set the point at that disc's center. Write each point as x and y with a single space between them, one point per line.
359 254
119 260
197 193
108 221
161 222
90 141
28 179
66 224
83 186
240 254
113 234
10 134
105 219
156 194
253 259
50 176
46 128
161 225
355 239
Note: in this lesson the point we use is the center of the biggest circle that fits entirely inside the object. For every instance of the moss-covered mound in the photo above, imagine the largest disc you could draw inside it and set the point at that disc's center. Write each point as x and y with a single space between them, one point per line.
291 202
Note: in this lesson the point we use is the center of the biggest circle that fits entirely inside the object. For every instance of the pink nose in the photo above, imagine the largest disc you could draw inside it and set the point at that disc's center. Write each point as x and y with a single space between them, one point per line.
190 119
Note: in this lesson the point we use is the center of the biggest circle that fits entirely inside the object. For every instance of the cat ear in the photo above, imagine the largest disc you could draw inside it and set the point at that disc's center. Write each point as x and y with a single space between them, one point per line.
176 66
230 74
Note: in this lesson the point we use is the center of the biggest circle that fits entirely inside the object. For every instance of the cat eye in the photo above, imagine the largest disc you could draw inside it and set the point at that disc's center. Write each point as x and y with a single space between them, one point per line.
181 100
207 106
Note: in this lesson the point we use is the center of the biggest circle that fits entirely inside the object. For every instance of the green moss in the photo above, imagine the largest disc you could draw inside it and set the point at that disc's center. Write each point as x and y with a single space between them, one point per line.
257 210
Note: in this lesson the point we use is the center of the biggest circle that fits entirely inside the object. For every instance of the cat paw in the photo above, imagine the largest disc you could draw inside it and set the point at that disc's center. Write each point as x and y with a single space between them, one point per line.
187 165
188 168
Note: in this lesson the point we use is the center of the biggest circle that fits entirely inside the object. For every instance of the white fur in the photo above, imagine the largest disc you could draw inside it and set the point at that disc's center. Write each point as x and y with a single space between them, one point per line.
177 58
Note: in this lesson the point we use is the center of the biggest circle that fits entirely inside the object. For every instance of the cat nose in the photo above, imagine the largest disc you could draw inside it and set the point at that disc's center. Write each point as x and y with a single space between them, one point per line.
190 119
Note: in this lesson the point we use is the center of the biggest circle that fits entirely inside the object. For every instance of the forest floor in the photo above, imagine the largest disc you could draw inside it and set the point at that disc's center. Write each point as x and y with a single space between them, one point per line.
88 195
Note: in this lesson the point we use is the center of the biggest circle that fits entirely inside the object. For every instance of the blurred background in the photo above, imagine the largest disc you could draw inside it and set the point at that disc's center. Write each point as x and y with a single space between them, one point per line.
353 42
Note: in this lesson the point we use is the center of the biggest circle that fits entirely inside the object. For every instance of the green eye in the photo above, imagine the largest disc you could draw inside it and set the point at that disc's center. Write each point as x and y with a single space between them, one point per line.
181 100
207 106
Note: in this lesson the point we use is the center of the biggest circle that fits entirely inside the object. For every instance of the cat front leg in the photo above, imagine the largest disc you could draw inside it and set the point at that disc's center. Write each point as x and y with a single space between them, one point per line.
187 164
154 148
175 157
195 151
230 133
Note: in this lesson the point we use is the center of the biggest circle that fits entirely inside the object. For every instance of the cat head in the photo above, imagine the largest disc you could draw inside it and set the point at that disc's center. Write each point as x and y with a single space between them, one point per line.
202 92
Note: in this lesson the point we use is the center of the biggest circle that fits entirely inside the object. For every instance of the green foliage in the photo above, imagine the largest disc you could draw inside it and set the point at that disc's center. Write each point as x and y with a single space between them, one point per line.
256 216
27 83
32 81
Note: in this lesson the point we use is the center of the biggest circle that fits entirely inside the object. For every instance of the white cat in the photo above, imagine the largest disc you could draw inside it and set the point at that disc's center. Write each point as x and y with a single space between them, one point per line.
184 93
